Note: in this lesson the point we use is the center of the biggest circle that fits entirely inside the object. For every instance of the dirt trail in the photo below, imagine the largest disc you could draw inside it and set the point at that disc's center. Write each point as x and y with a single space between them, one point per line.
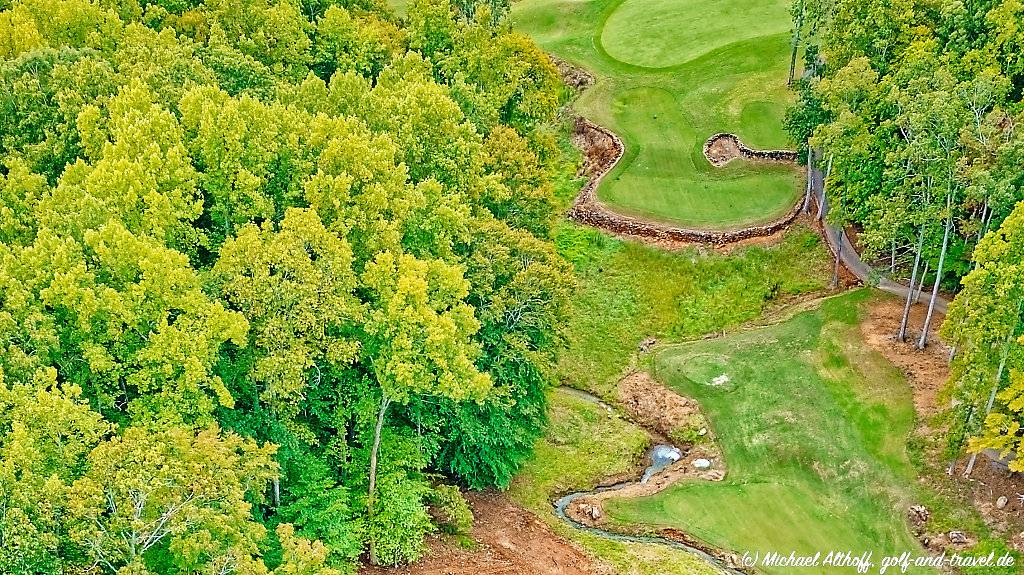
927 370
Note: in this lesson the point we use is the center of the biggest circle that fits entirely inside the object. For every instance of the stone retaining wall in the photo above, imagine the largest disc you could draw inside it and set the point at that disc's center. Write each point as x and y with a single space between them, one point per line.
747 152
587 209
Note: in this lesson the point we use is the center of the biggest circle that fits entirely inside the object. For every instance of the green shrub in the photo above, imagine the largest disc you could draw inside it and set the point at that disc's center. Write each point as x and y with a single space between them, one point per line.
451 511
400 521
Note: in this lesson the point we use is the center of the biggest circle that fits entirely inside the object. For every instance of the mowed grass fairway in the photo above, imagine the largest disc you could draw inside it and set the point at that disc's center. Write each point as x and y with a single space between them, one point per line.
813 425
670 74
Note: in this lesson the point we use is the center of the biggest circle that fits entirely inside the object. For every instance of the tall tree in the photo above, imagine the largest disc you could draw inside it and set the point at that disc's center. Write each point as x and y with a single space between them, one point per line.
987 321
417 341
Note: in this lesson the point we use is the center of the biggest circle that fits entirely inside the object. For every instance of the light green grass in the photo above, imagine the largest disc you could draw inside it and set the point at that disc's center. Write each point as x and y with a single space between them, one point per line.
813 426
706 66
628 292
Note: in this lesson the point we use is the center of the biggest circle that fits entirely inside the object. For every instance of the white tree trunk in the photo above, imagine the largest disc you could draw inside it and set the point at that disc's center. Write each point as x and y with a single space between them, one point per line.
995 386
384 403
921 343
902 334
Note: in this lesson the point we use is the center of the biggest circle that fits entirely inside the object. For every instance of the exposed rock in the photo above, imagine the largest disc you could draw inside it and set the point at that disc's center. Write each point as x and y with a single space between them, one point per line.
958 538
721 148
575 77
702 463
646 345
918 515
1001 502
586 511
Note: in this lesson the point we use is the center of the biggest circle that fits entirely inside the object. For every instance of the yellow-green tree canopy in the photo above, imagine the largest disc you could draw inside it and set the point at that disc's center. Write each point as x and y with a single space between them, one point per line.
232 234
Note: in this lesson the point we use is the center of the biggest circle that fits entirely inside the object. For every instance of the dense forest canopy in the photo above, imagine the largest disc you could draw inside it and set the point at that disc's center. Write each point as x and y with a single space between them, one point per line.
271 274
914 108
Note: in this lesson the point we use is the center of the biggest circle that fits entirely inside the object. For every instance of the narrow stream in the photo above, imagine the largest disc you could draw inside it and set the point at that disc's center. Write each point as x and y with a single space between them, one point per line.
661 456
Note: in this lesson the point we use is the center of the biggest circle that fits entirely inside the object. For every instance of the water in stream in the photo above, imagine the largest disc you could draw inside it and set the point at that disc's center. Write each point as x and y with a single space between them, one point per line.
661 456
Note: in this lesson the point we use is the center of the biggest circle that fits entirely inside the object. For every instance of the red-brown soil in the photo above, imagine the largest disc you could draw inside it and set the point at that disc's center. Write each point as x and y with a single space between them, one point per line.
927 370
511 541
658 407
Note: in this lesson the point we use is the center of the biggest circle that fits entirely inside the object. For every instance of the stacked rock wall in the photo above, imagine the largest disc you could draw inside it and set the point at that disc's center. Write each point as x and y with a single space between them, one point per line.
587 209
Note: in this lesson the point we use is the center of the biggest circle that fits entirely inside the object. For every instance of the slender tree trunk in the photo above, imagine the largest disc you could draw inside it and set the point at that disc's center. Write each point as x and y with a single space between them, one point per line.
385 401
810 179
984 216
921 343
824 184
277 492
839 257
892 259
995 386
796 45
792 58
902 334
920 285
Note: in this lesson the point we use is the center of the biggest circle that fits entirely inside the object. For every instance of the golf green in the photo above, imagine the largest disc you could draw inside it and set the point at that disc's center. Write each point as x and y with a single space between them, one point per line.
670 74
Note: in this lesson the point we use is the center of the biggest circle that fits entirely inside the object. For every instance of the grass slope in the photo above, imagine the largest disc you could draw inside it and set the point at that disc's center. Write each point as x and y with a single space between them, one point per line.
670 74
813 426
628 291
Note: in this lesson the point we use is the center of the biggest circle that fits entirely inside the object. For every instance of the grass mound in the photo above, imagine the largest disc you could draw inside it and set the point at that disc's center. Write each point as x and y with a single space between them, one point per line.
708 70
813 426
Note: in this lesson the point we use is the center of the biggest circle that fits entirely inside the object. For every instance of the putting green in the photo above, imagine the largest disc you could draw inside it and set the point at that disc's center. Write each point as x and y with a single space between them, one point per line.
813 425
663 33
670 74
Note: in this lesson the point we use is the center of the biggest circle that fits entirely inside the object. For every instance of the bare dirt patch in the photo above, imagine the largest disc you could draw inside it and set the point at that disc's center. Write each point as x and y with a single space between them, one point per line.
659 408
511 541
989 482
663 413
927 370
589 510
720 151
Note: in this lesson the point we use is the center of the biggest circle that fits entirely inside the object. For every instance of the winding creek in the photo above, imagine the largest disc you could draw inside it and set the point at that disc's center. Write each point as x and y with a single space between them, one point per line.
661 456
